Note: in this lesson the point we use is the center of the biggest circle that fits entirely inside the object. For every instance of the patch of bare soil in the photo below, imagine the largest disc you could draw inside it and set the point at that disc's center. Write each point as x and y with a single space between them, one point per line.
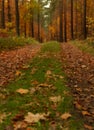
11 61
79 68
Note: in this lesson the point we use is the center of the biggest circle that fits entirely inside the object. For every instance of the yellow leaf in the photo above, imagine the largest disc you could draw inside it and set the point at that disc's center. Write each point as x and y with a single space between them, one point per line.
22 91
33 118
86 113
65 116
2 117
48 72
44 85
25 66
56 99
18 73
35 82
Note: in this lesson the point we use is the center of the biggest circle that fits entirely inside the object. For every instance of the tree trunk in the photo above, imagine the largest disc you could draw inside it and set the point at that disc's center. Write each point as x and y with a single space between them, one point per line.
9 13
72 36
76 20
32 25
17 18
3 15
39 21
61 21
25 29
65 20
84 20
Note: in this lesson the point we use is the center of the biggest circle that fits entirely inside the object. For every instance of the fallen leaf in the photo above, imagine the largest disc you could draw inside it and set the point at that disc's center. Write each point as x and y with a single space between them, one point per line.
83 66
18 73
88 127
33 70
86 113
65 116
48 73
79 89
25 66
32 90
35 82
2 117
77 105
20 125
33 118
30 128
44 85
56 99
61 77
22 91
2 96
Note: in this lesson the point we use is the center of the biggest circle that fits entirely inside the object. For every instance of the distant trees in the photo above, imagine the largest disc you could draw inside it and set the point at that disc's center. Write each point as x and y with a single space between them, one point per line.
75 22
60 20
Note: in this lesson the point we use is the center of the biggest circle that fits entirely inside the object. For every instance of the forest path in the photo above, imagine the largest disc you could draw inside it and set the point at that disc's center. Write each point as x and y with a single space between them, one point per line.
11 61
80 72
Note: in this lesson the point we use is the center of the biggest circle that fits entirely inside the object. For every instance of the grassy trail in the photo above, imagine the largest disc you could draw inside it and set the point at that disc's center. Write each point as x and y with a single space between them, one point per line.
39 99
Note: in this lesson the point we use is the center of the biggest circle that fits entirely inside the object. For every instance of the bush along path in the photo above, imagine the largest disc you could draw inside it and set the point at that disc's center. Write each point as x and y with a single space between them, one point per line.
79 69
38 99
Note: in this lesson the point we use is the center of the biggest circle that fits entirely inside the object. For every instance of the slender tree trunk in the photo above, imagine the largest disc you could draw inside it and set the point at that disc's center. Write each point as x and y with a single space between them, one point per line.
17 18
76 20
39 22
9 13
32 25
72 35
65 22
84 20
61 21
25 29
3 15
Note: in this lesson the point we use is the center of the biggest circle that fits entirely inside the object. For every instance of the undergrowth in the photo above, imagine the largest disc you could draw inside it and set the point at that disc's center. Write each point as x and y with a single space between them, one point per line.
14 42
86 45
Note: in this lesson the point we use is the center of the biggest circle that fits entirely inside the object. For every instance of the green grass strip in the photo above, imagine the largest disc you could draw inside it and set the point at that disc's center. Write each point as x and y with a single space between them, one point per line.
85 46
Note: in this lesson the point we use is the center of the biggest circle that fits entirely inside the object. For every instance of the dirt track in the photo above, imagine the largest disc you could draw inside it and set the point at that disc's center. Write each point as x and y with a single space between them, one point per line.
11 61
80 72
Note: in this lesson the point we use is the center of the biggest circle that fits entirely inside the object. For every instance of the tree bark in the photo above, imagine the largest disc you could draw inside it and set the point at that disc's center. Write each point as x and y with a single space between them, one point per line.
61 21
84 20
9 12
65 22
72 35
3 15
39 21
17 18
32 25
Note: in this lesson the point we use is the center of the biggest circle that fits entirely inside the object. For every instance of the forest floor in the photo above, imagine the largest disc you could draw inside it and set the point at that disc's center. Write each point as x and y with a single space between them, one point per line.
11 61
79 68
52 88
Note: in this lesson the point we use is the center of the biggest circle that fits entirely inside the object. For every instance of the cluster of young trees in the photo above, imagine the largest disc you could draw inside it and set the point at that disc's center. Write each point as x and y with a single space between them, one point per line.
60 20
71 19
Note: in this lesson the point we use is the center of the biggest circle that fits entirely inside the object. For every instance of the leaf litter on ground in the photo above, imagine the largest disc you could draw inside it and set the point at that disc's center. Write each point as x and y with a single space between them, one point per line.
40 101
